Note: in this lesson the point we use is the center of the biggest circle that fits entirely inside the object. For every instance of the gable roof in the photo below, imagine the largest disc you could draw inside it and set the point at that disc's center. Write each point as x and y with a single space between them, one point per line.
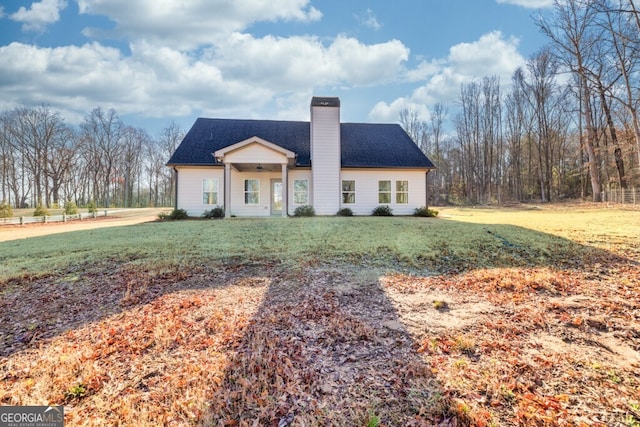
363 145
251 141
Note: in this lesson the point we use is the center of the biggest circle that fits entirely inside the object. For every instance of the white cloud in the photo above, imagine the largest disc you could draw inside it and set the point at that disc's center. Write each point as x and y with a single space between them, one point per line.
300 63
390 113
39 15
192 57
369 20
530 4
490 55
240 75
191 24
423 71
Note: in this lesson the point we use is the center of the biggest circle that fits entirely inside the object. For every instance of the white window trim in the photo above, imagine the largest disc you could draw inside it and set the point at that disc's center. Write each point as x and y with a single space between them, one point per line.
297 193
216 190
402 192
348 192
380 192
245 191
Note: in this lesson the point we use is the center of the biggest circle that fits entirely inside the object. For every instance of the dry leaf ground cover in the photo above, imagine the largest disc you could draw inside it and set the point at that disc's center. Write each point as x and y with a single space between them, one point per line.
481 317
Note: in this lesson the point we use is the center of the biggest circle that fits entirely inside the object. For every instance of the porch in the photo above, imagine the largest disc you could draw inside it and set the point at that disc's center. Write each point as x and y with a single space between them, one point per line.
249 166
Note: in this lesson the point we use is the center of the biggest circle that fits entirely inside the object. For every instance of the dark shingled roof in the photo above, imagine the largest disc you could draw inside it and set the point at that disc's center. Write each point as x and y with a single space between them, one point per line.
363 145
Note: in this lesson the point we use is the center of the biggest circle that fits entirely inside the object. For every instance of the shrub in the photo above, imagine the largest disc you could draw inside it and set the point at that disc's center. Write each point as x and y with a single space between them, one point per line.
306 210
425 211
174 215
345 212
6 211
217 212
91 207
41 210
382 210
70 208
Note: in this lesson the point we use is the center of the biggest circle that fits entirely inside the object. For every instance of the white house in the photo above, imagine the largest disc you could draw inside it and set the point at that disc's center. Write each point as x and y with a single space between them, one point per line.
269 168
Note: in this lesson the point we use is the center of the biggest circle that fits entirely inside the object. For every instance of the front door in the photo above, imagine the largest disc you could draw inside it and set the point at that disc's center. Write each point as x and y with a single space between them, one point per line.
276 197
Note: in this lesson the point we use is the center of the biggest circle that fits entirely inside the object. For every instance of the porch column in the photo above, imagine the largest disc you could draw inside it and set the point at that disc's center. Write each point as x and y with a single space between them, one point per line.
285 192
227 190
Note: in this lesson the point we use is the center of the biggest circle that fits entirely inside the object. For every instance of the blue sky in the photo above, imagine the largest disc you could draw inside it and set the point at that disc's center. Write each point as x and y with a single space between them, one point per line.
158 61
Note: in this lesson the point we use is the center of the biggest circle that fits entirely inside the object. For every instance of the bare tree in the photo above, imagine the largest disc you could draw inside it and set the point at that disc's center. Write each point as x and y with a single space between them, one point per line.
573 33
103 135
169 140
9 164
416 128
62 160
435 129
34 134
518 123
130 166
546 101
620 47
479 134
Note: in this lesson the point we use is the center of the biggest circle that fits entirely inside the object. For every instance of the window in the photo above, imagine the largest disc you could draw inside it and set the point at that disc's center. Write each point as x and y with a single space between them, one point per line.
300 191
384 191
402 192
348 192
210 191
251 191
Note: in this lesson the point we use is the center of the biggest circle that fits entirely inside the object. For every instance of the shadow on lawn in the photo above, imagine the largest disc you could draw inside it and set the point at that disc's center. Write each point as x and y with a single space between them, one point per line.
327 348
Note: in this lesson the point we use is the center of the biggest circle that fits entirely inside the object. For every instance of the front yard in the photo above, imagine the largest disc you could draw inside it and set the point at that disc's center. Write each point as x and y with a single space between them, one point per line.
479 317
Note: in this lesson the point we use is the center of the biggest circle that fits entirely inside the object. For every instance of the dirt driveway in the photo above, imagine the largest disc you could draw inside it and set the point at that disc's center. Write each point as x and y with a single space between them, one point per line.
126 217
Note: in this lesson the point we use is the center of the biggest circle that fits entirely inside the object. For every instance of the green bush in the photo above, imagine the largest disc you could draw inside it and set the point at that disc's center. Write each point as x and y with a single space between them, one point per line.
41 210
382 210
345 212
174 215
70 208
425 211
6 211
217 212
91 207
306 210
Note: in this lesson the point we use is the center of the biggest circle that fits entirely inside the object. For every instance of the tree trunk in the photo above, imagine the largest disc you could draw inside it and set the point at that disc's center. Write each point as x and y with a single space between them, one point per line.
594 170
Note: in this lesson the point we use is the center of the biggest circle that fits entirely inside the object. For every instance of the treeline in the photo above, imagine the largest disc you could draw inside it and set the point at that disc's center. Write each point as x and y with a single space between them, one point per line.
45 161
566 127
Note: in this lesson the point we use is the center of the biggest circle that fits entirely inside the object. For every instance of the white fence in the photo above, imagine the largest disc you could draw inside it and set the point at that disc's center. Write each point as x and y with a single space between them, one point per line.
623 196
53 218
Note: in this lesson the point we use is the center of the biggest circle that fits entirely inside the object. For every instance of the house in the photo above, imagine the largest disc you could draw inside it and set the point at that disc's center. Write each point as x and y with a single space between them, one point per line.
269 168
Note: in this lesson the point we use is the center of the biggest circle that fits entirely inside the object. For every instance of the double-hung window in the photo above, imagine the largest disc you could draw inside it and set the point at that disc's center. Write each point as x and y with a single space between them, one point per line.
348 192
251 192
301 191
384 191
402 192
210 191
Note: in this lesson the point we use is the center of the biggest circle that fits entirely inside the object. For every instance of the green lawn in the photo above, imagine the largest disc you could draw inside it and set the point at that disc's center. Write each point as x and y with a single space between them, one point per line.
403 243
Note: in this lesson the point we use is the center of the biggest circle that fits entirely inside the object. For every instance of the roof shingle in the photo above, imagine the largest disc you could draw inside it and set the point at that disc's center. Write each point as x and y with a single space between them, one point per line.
365 145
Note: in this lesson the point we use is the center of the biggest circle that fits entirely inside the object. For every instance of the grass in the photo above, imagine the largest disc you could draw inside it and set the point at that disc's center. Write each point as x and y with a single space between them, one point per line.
400 242
469 318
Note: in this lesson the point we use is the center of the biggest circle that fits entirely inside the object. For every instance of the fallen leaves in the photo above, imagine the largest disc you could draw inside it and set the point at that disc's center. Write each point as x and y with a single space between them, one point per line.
555 347
126 344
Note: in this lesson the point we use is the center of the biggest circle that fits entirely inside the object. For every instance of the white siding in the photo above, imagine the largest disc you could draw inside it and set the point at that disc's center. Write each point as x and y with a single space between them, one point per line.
190 188
325 159
263 208
367 189
255 153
